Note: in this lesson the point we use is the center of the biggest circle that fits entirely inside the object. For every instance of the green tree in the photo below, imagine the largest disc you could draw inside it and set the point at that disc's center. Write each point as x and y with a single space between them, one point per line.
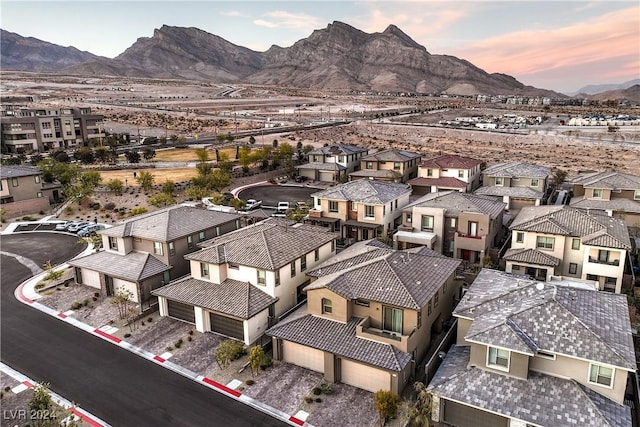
162 200
275 143
558 177
218 179
145 179
420 411
224 163
41 403
386 403
174 138
132 156
256 356
149 153
220 138
252 140
85 184
196 193
284 153
169 187
181 140
202 154
228 351
115 186
84 155
121 301
102 154
60 156
64 173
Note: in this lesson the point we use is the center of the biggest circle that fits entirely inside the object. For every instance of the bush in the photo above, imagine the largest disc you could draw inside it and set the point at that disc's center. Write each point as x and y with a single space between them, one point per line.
109 206
7 388
250 382
85 302
308 399
191 332
189 338
137 211
28 218
266 362
40 285
150 319
95 206
317 391
327 388
127 335
169 348
228 351
318 399
76 305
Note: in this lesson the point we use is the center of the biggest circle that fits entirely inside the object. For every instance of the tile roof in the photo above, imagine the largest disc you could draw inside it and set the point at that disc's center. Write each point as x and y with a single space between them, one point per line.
10 171
608 180
322 166
455 202
337 149
594 229
340 339
376 173
517 170
169 224
450 161
524 315
134 266
359 252
391 155
615 204
400 278
267 245
541 399
531 256
231 297
517 192
445 181
367 191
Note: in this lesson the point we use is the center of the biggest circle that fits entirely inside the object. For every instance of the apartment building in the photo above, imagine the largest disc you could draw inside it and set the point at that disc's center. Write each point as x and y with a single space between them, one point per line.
459 225
25 130
535 354
388 165
331 162
517 184
564 241
447 172
370 315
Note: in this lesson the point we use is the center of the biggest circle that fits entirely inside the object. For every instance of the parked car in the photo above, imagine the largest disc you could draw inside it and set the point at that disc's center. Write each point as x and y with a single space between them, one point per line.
301 178
92 228
77 226
283 207
61 226
302 205
253 204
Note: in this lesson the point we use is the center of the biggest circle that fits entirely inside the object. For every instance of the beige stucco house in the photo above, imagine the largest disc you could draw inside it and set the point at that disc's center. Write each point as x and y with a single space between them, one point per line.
388 165
447 172
535 354
22 190
517 184
331 162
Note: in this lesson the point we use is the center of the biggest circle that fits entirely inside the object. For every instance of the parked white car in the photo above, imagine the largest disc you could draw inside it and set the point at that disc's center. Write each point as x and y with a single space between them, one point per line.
61 226
84 232
77 226
252 204
283 207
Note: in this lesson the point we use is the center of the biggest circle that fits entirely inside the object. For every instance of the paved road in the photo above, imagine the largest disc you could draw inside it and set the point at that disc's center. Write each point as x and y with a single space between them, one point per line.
115 385
272 194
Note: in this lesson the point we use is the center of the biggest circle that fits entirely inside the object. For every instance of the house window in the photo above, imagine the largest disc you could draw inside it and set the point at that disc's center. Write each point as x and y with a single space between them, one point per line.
303 263
113 243
429 172
234 266
427 223
575 244
636 195
333 206
460 173
396 166
172 248
217 231
354 207
392 319
157 248
419 319
453 222
262 277
515 267
444 288
341 159
326 306
498 358
601 375
369 211
277 277
436 300
473 229
39 194
519 237
316 254
293 269
190 242
603 256
369 165
37 179
546 355
593 277
597 193
429 308
333 246
408 216
499 181
362 302
573 268
14 182
201 236
534 182
204 270
543 242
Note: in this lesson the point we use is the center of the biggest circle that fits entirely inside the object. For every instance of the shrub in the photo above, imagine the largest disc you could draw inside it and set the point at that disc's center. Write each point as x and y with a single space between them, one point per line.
142 323
85 302
189 338
150 319
109 206
137 211
76 305
191 332
317 391
127 335
318 399
250 382
7 388
308 399
96 294
178 344
41 213
40 285
95 206
28 218
169 348
228 351
386 403
266 362
94 299
327 388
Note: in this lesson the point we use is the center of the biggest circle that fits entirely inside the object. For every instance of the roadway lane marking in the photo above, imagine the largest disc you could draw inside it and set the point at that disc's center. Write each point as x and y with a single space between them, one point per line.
30 264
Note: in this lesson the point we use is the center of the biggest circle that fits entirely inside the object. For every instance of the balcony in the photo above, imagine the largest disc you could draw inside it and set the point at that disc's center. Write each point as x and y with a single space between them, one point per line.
315 213
470 242
615 262
401 342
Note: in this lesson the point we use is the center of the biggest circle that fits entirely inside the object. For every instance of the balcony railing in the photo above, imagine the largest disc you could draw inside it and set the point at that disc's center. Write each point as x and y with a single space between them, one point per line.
469 236
615 262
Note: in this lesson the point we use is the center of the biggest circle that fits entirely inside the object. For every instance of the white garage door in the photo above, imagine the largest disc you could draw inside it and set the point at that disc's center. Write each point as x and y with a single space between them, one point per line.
363 376
300 355
327 176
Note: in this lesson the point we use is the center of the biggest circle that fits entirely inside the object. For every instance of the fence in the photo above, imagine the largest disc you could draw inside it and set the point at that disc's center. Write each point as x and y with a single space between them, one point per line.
436 359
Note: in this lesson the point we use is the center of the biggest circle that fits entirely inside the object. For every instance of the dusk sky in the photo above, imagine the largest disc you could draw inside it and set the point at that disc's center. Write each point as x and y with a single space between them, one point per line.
553 45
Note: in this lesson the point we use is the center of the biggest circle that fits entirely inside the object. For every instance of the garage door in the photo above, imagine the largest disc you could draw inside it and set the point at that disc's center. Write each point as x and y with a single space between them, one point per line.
327 176
181 311
363 376
301 355
309 173
461 415
227 326
518 204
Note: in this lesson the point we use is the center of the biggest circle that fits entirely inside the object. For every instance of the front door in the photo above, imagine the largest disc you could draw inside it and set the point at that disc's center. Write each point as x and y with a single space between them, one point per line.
108 283
466 254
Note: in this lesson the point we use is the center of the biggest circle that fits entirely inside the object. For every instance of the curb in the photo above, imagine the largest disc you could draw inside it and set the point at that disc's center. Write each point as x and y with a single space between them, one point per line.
73 410
29 296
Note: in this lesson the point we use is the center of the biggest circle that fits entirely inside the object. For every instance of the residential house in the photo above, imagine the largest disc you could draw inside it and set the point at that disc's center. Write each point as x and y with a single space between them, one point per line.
331 162
517 184
147 251
447 172
617 194
363 209
242 281
22 190
535 354
459 225
370 315
388 165
564 241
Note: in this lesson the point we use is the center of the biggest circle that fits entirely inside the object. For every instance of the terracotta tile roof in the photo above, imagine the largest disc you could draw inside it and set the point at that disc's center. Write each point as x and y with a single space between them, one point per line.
443 182
531 256
134 266
391 155
450 161
367 191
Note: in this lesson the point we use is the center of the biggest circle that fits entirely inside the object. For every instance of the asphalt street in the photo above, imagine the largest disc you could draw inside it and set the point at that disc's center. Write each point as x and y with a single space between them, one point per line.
272 194
113 384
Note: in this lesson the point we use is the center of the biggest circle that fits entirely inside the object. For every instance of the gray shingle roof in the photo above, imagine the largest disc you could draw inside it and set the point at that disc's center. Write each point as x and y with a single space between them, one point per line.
340 338
18 171
397 278
517 170
608 180
531 256
541 399
376 173
231 297
450 161
456 202
365 191
359 252
134 266
169 224
513 312
337 149
445 181
615 204
322 166
267 245
392 155
517 192
594 229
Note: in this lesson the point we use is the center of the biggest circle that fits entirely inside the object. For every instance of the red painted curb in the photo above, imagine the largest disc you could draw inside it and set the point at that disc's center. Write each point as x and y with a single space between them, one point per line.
27 383
85 418
107 336
159 359
296 420
22 297
222 387
62 315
